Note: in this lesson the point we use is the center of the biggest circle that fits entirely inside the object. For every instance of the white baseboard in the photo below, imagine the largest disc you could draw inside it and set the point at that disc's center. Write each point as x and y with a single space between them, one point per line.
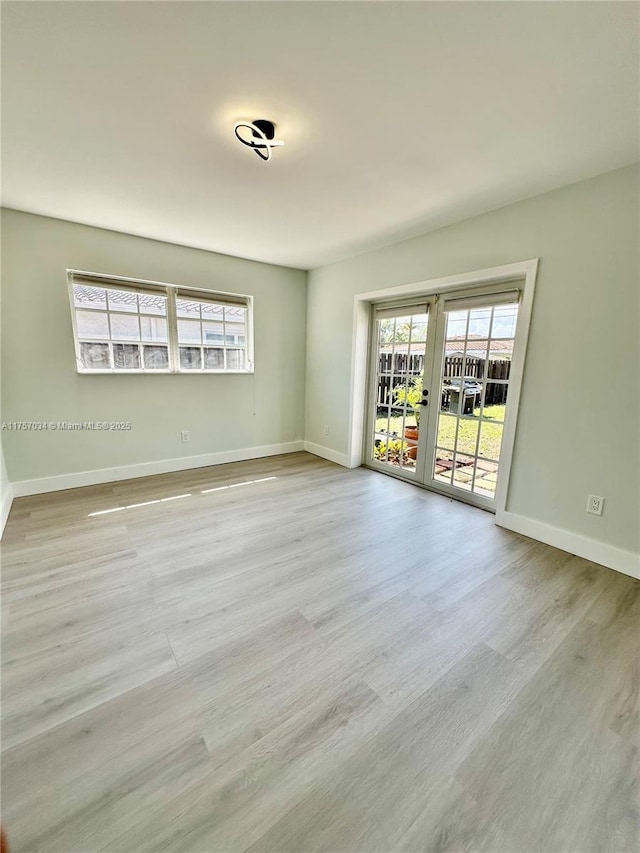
327 453
7 500
598 552
145 469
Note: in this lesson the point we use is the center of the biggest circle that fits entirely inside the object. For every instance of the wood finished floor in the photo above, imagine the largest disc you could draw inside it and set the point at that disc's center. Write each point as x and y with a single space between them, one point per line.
326 660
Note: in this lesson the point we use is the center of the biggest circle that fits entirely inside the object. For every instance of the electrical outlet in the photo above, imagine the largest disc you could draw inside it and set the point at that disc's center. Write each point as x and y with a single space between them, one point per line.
595 505
326 429
184 436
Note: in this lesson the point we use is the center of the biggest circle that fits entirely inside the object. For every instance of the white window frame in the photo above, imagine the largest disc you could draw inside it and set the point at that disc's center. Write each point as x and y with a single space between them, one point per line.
172 292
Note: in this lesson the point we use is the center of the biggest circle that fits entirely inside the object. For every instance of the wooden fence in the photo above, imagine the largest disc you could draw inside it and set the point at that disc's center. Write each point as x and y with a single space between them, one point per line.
394 366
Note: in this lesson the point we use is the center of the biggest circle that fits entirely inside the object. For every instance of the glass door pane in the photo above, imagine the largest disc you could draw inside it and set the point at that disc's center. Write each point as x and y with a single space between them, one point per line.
397 389
473 390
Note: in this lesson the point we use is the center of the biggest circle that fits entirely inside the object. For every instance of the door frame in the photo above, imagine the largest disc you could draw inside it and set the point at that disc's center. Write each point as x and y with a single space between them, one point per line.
524 272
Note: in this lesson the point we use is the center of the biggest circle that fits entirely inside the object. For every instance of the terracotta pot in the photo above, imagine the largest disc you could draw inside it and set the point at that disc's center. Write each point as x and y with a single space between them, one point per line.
411 432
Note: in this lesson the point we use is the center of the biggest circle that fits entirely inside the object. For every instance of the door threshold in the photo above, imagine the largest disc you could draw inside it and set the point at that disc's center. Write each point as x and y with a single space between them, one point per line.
433 489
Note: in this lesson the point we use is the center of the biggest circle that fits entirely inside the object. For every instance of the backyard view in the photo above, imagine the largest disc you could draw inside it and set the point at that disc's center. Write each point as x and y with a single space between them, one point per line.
490 439
471 394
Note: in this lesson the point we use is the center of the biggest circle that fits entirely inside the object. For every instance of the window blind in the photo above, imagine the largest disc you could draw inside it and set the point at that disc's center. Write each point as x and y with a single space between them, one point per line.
115 283
229 299
486 300
386 312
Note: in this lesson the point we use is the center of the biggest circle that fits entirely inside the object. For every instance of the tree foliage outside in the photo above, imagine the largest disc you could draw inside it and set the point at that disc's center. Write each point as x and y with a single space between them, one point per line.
387 336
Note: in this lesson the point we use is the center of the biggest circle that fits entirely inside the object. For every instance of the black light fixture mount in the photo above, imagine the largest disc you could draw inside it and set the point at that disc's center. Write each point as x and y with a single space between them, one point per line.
262 139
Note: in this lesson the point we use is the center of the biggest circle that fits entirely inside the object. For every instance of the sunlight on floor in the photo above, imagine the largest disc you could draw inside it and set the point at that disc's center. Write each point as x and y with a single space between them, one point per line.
178 497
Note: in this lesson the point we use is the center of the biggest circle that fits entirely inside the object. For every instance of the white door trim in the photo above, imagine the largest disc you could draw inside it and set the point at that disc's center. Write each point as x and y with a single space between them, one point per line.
525 272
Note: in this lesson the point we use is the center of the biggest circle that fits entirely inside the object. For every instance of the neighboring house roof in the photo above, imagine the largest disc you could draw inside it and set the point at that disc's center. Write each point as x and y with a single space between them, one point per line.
455 346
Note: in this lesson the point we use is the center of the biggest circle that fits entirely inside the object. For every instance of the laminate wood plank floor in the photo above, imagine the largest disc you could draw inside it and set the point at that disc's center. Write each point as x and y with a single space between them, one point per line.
284 655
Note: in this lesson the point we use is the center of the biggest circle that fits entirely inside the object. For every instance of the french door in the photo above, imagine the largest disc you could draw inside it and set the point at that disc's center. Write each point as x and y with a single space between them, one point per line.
438 394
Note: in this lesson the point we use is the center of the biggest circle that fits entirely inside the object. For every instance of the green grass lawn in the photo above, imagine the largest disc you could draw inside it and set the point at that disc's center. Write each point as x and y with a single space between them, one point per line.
490 435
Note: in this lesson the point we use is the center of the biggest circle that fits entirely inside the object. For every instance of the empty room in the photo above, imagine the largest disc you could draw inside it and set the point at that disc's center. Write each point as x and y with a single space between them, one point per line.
320 427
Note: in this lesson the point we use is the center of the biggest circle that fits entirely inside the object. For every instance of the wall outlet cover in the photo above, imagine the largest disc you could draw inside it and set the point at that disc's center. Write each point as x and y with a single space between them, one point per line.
595 505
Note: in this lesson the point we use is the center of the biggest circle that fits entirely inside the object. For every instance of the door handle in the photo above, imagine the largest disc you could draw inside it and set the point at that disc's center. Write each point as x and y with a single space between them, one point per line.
425 396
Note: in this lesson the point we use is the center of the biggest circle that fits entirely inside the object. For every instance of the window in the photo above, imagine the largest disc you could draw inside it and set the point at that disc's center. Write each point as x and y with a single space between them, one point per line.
211 336
142 327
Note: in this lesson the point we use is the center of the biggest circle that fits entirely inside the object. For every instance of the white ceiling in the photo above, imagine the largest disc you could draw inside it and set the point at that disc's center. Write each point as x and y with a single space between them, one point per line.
398 117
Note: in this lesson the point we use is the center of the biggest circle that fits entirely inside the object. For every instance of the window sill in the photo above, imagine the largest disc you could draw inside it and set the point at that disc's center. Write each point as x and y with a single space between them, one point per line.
164 372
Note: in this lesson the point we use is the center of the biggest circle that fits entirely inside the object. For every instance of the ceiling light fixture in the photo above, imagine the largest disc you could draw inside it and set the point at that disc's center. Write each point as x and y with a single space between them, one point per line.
262 138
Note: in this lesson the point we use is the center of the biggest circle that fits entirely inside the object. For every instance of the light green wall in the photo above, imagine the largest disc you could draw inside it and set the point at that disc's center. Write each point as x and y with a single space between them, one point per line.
5 484
39 379
578 425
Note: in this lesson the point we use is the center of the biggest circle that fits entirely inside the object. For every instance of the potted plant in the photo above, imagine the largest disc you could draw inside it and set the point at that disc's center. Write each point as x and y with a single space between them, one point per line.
410 397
